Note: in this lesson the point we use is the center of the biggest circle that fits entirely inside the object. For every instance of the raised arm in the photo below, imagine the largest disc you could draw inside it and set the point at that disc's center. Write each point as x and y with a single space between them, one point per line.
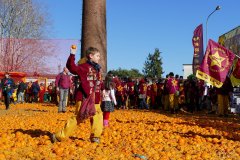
72 67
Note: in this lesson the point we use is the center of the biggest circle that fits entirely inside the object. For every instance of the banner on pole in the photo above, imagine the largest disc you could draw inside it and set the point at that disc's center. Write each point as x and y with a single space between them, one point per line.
197 42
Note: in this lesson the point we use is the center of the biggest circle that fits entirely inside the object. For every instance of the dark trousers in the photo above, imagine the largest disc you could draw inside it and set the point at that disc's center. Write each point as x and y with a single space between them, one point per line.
143 104
6 100
132 101
35 97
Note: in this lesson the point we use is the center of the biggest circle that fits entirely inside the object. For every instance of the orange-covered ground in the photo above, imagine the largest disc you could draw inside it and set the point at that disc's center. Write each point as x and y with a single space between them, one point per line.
25 129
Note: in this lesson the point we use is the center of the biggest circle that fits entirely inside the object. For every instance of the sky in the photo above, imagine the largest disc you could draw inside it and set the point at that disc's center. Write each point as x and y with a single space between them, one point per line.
136 28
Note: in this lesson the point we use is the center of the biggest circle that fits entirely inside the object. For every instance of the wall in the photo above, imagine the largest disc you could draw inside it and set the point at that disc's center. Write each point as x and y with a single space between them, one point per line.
187 70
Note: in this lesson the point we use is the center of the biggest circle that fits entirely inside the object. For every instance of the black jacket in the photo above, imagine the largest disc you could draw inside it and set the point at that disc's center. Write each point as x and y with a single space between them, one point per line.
21 87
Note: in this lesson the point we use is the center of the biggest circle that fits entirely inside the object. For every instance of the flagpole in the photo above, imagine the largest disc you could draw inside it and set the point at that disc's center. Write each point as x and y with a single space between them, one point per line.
237 55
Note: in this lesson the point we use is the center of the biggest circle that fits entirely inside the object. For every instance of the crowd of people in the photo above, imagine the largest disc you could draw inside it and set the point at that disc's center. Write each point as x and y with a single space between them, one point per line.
170 94
173 94
13 92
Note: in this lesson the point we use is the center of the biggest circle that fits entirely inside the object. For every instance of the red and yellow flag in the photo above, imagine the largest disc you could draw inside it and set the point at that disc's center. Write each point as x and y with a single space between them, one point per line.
216 64
231 40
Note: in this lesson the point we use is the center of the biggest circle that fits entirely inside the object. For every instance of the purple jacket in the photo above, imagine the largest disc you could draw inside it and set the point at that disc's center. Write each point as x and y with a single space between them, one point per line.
63 81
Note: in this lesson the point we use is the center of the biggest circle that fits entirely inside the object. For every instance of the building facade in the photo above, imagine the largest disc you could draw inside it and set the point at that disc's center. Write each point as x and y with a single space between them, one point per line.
187 70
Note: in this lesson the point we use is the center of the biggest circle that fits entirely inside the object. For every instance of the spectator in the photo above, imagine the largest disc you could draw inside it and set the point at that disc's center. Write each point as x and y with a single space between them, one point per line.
108 99
223 96
62 84
35 91
41 93
20 92
29 92
8 85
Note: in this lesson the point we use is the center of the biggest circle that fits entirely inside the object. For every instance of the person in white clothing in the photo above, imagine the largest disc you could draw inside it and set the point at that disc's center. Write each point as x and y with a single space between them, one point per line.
108 99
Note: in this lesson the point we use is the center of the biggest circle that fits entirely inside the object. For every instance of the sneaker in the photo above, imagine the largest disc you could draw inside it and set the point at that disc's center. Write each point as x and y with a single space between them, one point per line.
54 139
95 140
105 123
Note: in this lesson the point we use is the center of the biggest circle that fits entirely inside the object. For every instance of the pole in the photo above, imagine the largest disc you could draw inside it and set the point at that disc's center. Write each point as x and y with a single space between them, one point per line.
237 55
217 8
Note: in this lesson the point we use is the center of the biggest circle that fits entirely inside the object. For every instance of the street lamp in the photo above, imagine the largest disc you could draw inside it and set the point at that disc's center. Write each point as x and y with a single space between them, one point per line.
217 8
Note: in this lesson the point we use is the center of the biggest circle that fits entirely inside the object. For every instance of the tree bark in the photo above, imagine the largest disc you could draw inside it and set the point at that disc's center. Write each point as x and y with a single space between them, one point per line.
94 29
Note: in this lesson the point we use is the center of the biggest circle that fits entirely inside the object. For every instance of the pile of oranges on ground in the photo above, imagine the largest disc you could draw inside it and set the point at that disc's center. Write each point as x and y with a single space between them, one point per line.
133 134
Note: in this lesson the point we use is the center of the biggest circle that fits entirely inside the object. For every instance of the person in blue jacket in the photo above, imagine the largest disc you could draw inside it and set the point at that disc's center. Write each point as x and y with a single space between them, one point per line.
8 86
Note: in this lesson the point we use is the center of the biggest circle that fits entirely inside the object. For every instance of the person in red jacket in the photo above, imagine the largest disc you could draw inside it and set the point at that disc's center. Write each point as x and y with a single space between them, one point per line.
172 88
131 94
149 93
159 97
142 95
63 84
41 93
165 94
120 94
154 89
90 83
50 94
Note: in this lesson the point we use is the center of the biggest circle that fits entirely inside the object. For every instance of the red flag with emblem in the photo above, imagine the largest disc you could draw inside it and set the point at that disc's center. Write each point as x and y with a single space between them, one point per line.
197 42
216 64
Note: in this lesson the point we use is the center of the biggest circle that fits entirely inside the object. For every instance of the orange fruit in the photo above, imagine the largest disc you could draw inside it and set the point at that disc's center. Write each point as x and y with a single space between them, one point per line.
73 46
181 141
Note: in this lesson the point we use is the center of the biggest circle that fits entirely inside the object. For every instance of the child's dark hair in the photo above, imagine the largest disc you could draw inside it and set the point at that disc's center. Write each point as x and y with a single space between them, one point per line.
91 50
108 82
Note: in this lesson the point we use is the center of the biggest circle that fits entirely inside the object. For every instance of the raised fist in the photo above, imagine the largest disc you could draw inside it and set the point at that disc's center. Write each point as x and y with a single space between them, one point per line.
73 49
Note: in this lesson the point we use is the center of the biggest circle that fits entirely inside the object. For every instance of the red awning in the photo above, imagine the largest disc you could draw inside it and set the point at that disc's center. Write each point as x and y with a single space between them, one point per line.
14 74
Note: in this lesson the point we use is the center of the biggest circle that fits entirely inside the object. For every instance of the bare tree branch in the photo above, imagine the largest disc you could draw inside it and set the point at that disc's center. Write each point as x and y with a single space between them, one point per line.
22 25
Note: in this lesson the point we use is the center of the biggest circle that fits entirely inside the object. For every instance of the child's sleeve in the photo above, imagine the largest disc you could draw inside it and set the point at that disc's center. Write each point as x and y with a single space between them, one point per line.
113 97
72 67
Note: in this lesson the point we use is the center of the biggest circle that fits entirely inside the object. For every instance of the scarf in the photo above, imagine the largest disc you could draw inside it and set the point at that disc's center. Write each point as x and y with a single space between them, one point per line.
94 65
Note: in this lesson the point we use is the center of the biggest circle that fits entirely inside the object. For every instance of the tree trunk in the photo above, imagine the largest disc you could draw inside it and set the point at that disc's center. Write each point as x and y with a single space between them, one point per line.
94 29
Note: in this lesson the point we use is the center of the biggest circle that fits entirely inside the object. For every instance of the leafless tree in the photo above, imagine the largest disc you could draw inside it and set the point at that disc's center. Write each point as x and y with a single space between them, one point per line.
22 25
